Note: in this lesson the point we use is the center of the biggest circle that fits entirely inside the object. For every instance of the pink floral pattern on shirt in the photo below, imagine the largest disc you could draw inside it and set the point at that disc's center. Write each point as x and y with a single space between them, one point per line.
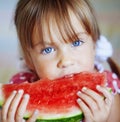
24 77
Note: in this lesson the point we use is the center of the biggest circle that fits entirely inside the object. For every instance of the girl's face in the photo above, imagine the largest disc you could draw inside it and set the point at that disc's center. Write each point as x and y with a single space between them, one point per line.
56 59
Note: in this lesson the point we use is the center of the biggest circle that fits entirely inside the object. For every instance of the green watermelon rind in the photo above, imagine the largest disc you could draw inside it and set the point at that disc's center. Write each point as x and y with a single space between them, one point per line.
1 103
76 115
76 118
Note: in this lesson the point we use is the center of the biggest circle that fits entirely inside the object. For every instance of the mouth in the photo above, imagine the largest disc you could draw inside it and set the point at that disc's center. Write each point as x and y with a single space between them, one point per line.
69 75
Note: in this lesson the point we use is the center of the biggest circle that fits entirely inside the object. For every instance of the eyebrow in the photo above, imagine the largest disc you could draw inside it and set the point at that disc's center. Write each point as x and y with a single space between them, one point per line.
43 43
52 42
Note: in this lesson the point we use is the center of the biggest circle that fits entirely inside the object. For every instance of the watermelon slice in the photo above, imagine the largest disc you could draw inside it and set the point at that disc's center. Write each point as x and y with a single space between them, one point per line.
55 99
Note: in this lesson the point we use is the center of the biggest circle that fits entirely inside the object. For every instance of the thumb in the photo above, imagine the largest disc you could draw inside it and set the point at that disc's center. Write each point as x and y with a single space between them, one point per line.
34 116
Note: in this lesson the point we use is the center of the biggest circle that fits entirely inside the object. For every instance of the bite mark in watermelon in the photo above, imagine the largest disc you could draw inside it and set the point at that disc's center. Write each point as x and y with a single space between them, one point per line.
55 99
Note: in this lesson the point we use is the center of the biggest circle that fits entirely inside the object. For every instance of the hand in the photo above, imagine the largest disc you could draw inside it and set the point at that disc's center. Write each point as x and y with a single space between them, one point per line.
15 107
93 105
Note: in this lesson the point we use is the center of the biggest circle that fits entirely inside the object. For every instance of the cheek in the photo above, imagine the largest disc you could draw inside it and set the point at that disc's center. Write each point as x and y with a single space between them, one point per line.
43 66
45 69
91 59
87 56
86 59
91 56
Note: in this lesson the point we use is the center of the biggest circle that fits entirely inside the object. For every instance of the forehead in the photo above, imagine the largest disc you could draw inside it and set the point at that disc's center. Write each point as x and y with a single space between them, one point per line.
51 30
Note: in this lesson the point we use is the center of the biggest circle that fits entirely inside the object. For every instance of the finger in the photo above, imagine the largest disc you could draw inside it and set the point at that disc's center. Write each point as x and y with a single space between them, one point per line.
97 97
22 108
7 104
108 96
89 101
14 104
0 115
84 108
34 116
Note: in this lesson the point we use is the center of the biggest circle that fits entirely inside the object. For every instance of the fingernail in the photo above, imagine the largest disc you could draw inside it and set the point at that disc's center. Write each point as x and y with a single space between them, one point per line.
78 100
20 91
14 92
36 111
84 89
79 93
98 86
26 96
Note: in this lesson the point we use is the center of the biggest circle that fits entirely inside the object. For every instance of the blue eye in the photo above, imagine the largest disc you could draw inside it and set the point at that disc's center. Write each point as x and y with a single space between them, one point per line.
47 50
77 43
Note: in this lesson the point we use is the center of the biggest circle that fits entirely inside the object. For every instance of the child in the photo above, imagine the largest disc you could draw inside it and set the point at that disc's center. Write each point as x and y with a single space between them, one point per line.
58 38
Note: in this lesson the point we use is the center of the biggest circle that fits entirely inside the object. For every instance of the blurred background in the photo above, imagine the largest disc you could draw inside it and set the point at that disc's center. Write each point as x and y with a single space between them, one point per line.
108 16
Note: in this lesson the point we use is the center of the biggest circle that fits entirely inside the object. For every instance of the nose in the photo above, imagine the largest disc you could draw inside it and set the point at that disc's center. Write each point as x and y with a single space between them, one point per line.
65 61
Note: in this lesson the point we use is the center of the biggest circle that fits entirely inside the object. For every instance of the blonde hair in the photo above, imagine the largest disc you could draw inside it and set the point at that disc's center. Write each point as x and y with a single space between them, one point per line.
32 13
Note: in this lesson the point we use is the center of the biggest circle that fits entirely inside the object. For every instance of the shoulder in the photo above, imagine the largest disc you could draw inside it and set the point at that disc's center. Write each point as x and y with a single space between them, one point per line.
23 77
113 81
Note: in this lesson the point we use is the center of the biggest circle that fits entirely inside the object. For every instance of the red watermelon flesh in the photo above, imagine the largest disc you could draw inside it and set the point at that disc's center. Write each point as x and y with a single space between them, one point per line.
55 97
